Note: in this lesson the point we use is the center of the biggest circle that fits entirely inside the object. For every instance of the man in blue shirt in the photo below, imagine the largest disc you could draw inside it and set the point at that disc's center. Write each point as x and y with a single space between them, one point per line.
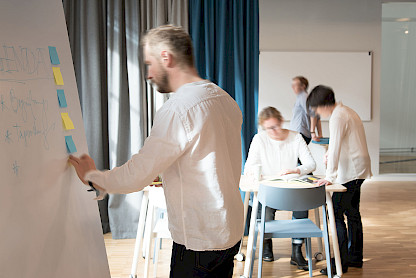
304 120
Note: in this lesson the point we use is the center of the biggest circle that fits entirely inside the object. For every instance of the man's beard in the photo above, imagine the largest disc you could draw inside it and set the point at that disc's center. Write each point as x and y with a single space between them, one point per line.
162 84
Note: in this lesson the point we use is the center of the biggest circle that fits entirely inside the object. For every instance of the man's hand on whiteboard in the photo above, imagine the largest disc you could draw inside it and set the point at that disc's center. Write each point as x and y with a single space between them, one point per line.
82 165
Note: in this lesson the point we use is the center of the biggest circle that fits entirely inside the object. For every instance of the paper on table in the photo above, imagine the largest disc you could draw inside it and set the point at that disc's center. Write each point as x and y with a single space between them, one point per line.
61 98
58 76
67 122
54 55
70 145
281 177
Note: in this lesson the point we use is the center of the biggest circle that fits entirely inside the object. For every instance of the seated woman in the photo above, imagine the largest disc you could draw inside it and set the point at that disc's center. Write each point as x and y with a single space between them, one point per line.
277 150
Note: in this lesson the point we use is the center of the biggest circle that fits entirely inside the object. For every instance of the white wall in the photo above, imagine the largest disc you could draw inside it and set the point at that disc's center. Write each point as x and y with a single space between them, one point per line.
328 25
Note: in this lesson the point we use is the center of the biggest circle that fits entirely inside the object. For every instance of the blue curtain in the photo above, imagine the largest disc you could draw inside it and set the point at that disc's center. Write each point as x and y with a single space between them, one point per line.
225 34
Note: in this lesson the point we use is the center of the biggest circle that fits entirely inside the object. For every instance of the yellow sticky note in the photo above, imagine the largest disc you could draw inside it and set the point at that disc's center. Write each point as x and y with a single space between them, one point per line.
58 76
67 122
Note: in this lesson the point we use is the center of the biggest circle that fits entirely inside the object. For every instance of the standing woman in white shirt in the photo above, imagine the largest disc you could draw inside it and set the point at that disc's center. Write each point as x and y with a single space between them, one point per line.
278 150
348 163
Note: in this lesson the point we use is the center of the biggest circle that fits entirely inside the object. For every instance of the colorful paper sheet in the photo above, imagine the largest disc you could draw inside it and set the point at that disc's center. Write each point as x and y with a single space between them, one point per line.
53 54
61 98
67 122
70 145
58 76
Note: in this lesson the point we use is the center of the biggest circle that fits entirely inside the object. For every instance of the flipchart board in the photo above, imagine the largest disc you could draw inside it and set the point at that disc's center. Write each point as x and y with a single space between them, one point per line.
49 223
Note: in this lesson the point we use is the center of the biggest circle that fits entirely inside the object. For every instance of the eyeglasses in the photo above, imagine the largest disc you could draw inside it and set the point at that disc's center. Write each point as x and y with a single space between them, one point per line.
271 127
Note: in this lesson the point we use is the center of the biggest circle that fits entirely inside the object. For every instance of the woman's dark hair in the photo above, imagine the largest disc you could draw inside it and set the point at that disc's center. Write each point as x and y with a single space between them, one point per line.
321 96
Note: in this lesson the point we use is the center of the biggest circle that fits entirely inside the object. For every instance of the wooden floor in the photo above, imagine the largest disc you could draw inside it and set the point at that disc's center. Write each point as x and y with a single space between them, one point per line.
389 217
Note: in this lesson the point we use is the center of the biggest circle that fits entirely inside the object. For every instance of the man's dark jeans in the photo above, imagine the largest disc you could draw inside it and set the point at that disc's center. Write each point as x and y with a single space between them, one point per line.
186 263
351 241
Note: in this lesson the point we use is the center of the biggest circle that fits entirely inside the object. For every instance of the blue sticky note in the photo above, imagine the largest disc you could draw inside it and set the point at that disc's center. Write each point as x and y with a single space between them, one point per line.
61 98
54 55
70 145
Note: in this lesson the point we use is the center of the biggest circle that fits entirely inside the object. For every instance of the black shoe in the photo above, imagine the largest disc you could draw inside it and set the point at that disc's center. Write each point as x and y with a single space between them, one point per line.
356 264
324 271
297 257
333 268
268 250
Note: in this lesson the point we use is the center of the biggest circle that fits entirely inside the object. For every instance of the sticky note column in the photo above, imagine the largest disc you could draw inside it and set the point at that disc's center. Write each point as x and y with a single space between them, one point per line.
67 123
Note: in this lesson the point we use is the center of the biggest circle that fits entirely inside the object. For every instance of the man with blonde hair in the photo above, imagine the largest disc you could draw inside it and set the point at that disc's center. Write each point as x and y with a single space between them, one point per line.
195 144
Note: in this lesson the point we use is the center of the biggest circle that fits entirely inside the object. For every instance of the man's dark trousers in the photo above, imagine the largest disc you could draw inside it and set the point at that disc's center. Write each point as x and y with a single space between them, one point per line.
187 263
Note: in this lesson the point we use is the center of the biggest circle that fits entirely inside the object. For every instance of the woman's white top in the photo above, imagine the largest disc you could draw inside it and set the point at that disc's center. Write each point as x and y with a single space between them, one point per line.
275 156
348 157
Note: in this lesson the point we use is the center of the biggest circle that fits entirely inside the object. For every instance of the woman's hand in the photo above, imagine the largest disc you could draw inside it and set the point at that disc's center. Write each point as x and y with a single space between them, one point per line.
289 171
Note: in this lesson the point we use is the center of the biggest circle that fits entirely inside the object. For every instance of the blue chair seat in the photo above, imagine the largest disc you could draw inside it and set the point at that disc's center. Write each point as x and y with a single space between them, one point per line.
299 228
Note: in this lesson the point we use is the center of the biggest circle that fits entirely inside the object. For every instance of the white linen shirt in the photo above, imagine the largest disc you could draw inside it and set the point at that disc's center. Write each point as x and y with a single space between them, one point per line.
275 156
195 143
348 157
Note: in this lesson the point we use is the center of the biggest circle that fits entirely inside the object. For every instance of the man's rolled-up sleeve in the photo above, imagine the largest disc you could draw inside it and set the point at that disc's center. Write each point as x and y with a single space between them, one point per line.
167 142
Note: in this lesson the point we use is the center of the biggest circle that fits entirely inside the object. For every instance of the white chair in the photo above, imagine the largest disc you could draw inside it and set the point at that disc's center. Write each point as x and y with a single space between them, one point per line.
153 224
140 231
157 218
